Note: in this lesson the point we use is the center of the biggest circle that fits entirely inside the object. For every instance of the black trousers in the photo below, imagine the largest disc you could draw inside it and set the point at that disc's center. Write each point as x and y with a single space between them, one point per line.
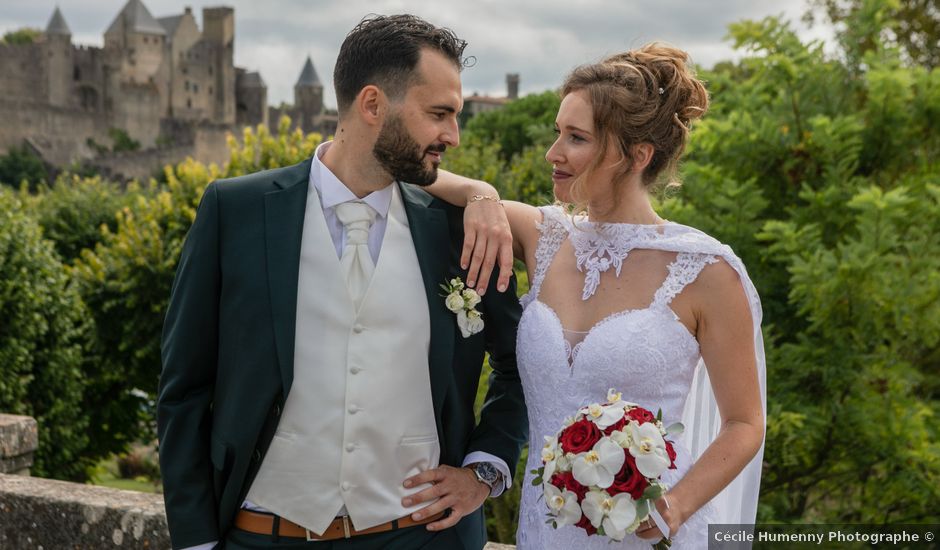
409 538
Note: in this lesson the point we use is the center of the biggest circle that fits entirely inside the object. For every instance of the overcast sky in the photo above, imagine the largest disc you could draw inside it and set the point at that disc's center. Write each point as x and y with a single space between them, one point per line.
540 39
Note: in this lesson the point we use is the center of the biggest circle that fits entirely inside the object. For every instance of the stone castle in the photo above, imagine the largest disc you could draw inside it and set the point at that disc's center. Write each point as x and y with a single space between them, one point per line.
171 87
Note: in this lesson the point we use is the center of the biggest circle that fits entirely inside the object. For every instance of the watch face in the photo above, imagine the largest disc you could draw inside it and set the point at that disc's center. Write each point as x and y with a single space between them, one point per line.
487 473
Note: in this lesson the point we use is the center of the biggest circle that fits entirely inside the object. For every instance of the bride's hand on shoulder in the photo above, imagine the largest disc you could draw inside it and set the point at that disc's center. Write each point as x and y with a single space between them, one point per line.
487 240
670 510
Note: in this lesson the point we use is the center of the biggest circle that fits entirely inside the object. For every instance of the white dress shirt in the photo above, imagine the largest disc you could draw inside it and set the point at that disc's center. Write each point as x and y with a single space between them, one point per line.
332 191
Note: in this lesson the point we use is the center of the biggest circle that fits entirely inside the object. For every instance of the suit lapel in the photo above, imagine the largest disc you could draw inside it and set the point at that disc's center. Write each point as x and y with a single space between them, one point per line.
284 211
432 244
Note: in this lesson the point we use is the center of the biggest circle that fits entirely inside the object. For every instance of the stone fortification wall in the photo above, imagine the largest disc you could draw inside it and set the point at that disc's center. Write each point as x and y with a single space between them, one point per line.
206 143
59 133
22 72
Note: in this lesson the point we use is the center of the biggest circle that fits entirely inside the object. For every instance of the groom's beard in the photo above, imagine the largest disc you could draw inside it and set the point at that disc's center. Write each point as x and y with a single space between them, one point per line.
401 156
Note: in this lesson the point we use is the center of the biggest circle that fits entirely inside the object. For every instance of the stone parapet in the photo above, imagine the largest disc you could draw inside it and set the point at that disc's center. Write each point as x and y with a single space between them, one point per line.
46 513
18 441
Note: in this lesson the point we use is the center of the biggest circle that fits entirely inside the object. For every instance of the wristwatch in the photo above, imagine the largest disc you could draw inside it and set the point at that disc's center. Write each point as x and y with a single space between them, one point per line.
486 473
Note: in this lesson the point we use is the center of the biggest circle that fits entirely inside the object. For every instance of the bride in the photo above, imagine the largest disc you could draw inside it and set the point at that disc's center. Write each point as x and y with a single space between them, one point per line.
621 298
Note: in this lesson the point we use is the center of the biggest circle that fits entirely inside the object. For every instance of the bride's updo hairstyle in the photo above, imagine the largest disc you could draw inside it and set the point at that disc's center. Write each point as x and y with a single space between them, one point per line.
647 95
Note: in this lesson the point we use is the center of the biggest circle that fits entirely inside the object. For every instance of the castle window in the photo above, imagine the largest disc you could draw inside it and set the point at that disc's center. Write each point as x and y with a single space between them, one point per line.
189 103
184 68
76 74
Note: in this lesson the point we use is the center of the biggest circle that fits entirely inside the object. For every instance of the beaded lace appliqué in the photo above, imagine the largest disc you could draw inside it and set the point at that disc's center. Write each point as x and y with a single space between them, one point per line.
598 247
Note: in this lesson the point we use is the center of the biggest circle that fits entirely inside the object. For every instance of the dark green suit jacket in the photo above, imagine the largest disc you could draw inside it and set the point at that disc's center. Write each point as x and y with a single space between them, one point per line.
228 348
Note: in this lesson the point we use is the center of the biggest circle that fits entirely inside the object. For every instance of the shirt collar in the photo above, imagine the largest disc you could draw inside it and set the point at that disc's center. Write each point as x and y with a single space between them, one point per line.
332 191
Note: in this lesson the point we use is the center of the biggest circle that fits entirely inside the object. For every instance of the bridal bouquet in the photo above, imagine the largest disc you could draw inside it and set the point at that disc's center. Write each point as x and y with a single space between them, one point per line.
601 471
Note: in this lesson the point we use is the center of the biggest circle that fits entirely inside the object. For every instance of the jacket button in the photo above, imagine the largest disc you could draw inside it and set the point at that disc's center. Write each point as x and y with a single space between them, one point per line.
358 328
256 456
277 410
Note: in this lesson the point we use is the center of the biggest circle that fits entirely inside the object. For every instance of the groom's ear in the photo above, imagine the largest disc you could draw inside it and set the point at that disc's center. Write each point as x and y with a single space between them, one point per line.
372 105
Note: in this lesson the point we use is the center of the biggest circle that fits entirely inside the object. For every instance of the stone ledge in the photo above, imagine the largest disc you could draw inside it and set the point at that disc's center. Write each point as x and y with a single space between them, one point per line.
19 438
44 513
48 514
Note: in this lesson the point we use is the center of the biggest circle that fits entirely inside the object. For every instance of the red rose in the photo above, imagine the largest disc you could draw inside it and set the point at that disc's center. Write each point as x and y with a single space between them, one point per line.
565 480
585 524
629 479
641 415
579 437
618 425
672 455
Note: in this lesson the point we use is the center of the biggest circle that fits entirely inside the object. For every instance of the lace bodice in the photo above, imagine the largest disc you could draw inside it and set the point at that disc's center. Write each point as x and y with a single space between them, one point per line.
646 353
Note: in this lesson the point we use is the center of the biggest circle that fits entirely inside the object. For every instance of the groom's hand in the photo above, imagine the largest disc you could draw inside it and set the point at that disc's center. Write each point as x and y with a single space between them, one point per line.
455 488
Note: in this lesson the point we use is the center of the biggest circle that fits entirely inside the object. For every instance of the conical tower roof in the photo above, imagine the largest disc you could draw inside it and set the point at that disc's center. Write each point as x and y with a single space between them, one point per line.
308 77
57 24
135 17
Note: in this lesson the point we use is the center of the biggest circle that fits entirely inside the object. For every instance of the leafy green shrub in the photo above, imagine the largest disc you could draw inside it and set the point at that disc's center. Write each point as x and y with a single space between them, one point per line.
20 165
72 211
41 333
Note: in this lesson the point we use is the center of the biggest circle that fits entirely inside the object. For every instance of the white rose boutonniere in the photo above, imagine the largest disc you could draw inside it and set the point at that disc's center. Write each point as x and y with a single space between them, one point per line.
463 301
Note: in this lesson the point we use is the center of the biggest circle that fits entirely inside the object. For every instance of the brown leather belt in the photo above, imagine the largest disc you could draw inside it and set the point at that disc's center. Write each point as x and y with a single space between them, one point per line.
340 528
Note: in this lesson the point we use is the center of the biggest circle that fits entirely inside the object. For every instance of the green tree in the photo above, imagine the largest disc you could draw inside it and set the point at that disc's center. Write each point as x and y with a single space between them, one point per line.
20 165
42 328
25 35
913 25
516 126
122 141
72 211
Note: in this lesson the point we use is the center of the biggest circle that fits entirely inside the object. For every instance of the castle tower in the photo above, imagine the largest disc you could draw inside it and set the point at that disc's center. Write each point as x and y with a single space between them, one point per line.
219 35
308 96
138 40
512 85
58 56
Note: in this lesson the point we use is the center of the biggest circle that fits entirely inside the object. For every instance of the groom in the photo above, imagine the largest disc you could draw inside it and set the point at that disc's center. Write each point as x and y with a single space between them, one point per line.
310 366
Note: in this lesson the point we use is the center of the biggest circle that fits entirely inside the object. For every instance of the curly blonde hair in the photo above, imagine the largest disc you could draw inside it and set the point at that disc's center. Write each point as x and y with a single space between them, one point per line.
647 95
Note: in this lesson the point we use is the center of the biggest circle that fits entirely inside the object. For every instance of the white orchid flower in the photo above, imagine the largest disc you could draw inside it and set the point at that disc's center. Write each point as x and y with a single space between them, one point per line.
563 504
621 438
550 450
454 302
598 466
616 513
603 415
471 298
649 449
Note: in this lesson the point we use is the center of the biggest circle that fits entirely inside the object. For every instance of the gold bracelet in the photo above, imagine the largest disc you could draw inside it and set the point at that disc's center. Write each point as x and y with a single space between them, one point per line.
475 198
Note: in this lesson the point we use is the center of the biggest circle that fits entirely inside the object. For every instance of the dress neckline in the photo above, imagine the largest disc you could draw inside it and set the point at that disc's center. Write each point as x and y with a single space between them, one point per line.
598 246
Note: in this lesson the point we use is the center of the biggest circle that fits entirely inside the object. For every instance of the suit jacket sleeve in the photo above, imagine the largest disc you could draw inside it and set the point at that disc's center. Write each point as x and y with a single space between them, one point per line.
503 426
189 353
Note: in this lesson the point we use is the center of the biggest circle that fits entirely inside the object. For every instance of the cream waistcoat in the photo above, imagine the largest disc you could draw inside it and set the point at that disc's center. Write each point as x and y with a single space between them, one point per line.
359 417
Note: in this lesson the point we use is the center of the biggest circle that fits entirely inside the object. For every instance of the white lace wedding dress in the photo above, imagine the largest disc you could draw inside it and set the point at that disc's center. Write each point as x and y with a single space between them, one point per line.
646 353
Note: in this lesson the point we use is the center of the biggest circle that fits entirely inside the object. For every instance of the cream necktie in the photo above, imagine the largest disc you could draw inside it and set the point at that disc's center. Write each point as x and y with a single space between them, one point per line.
356 261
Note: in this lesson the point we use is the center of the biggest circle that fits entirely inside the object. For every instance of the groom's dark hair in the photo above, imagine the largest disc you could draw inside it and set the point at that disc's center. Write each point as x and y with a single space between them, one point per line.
383 50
